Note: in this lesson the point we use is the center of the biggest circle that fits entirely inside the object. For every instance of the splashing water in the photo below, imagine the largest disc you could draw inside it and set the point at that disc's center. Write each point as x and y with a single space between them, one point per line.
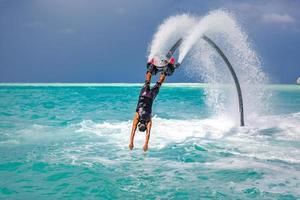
204 63
168 32
69 141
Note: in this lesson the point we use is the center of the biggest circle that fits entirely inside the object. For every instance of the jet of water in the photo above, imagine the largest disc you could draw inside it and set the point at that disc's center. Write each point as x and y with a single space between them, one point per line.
201 60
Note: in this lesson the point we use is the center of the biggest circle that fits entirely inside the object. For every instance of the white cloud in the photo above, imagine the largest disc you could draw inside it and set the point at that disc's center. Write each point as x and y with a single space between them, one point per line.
268 12
33 24
67 31
278 18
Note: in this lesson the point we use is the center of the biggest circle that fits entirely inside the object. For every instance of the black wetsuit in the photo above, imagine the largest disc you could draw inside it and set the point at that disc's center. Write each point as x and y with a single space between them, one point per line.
146 98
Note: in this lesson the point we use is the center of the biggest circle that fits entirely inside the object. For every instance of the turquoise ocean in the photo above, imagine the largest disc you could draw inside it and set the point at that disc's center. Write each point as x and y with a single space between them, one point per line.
70 141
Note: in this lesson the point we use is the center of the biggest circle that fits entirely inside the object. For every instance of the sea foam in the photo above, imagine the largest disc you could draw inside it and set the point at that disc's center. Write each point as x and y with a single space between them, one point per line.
251 141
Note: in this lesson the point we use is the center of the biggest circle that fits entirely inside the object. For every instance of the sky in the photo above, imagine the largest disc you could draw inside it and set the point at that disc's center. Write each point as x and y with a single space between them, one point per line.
107 41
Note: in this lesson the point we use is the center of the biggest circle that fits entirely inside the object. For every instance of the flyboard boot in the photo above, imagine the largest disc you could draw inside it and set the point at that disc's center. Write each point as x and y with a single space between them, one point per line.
165 64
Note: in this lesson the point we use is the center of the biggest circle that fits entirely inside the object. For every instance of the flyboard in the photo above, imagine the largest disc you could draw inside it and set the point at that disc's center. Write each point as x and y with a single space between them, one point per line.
162 61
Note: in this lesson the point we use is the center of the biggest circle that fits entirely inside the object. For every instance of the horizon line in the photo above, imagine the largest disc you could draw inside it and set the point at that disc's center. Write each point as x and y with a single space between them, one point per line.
119 84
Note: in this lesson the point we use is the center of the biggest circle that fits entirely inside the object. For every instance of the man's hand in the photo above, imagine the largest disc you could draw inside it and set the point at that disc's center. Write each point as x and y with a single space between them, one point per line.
130 146
169 70
145 147
134 125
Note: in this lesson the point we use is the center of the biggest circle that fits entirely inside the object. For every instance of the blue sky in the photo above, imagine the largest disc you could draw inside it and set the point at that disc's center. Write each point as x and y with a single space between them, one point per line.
106 41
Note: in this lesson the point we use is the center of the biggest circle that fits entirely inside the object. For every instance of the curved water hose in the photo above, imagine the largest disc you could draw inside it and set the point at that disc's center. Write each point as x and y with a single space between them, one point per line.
173 48
236 81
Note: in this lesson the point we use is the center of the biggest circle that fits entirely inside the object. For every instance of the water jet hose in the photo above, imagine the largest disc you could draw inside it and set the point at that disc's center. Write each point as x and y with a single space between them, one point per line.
236 81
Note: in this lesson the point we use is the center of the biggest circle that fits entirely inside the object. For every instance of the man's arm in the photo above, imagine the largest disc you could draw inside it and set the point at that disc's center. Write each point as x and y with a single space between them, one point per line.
134 125
149 125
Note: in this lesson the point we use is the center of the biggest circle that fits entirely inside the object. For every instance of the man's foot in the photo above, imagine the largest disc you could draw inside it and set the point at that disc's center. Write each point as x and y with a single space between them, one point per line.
169 70
151 68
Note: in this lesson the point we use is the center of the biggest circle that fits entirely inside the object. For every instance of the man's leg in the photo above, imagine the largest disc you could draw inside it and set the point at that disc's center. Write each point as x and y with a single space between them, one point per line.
155 89
148 76
162 78
146 86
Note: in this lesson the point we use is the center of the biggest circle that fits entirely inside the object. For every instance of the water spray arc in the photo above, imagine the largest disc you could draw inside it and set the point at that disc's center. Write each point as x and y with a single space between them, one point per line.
203 60
236 81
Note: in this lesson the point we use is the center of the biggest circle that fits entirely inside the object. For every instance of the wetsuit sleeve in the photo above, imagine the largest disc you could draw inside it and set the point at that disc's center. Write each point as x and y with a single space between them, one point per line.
155 90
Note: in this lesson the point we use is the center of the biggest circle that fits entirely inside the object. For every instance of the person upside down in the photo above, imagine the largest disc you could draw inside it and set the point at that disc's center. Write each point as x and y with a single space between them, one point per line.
142 118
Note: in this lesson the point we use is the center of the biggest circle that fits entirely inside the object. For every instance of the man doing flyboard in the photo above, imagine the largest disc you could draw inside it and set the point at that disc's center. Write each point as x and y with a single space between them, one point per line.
142 118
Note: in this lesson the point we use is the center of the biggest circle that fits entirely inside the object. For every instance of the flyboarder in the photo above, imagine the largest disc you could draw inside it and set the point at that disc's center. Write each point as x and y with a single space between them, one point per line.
142 118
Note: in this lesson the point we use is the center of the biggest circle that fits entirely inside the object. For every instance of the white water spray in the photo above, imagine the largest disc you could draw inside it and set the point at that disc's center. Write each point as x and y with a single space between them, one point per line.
201 60
173 28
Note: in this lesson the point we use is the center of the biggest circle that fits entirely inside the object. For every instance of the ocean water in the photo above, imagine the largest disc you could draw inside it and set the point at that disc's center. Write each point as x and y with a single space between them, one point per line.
70 141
